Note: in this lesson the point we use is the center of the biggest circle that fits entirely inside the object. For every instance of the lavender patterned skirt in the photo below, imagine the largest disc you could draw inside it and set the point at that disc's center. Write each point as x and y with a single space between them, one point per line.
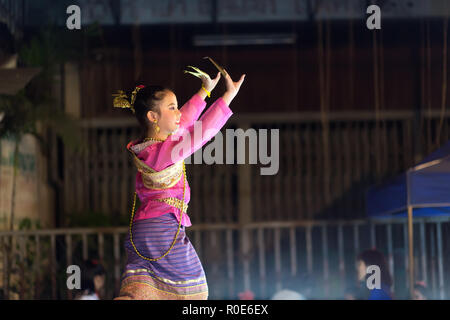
177 276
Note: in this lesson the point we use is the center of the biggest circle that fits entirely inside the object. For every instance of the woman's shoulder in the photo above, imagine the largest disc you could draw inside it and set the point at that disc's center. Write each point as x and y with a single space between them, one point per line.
143 150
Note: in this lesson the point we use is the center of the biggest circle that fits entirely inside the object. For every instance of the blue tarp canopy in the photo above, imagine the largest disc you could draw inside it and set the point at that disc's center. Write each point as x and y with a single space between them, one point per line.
428 185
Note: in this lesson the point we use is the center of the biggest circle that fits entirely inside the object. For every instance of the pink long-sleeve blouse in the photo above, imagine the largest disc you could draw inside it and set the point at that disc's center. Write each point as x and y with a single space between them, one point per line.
160 155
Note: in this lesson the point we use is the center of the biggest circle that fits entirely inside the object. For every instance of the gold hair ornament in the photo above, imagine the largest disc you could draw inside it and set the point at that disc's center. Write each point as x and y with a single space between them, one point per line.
134 93
121 99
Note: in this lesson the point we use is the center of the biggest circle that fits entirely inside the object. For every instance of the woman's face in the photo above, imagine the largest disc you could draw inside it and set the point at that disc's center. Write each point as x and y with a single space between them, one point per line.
169 118
361 269
99 282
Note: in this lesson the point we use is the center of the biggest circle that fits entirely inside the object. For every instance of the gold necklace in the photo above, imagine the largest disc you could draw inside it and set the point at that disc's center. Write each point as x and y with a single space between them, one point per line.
153 139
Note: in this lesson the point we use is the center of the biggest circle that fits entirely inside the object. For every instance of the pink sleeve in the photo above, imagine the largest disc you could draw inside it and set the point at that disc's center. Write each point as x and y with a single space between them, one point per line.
182 145
191 110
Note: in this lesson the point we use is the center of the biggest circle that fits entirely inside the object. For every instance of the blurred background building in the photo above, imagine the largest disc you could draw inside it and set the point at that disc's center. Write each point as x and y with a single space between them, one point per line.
354 107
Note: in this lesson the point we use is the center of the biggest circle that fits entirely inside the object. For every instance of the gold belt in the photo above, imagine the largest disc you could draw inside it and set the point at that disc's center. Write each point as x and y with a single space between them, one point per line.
174 202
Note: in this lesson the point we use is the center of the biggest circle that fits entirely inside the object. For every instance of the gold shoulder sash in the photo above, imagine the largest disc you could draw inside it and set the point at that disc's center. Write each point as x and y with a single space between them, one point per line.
159 180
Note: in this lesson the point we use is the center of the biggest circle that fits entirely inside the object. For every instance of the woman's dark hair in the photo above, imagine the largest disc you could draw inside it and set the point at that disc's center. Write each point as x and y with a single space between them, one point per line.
147 100
90 269
375 257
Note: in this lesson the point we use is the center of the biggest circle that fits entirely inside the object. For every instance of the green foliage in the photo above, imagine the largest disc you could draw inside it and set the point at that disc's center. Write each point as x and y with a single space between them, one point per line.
19 115
43 51
22 281
35 104
27 224
33 107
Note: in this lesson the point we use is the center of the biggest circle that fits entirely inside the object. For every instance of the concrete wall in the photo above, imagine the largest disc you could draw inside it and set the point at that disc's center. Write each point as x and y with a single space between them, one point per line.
34 198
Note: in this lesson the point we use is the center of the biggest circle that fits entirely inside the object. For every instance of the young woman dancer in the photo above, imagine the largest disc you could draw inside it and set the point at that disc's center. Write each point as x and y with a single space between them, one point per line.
161 261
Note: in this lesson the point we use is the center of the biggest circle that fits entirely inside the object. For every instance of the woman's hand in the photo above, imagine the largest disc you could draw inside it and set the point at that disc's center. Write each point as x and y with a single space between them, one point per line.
232 88
208 83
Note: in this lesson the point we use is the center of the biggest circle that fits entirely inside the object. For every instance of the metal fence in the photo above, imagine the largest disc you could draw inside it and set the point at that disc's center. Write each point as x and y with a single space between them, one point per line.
316 258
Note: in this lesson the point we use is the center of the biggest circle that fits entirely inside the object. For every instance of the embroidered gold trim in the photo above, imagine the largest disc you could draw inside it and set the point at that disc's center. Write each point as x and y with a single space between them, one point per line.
174 202
180 295
159 180
163 279
141 146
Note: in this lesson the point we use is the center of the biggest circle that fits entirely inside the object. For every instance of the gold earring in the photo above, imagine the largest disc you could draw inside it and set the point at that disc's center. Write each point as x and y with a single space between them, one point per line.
156 127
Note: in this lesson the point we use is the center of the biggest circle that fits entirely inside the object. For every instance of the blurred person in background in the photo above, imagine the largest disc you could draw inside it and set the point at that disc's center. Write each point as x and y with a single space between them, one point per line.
369 258
92 281
421 291
287 294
